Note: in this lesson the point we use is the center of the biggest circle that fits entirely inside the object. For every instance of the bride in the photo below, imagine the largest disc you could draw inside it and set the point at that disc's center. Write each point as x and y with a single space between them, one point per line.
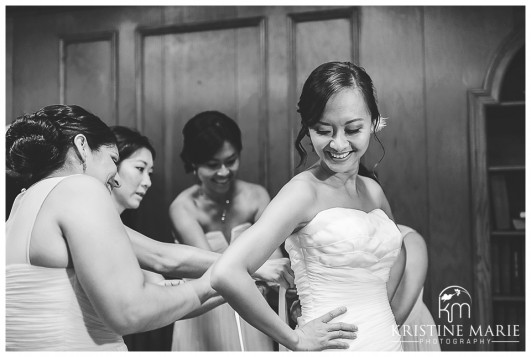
344 247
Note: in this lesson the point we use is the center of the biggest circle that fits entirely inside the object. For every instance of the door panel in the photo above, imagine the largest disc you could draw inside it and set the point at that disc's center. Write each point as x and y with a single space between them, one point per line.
311 45
190 69
88 70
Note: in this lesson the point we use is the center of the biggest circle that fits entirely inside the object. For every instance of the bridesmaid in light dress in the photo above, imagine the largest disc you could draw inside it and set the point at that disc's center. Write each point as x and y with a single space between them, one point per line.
177 261
420 337
73 281
409 306
210 215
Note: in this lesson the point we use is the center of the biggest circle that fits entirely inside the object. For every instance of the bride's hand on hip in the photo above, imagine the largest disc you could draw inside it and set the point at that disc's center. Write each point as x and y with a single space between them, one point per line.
319 334
276 271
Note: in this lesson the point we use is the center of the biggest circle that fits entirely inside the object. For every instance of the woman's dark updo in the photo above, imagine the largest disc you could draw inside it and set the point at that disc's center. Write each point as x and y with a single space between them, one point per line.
325 81
129 140
205 134
37 143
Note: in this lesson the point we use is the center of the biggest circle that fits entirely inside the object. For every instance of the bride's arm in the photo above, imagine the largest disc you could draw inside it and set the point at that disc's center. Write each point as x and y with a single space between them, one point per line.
231 273
262 199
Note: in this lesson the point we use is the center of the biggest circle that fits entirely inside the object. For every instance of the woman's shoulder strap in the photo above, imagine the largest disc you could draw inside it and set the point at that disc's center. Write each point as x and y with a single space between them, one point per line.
20 224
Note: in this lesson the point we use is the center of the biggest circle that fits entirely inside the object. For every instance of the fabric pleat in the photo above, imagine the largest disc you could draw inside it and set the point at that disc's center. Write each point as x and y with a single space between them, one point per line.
343 257
46 308
217 329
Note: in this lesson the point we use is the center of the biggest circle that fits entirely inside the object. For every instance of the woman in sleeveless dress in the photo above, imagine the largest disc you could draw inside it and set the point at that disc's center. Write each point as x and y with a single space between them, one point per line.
418 331
135 167
210 215
344 247
73 281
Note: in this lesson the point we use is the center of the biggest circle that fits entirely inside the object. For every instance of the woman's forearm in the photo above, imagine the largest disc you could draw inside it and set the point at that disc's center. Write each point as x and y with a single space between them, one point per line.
169 259
162 305
206 306
240 291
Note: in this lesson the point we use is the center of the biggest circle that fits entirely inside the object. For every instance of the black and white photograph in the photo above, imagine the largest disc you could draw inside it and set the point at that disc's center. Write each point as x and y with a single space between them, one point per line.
265 177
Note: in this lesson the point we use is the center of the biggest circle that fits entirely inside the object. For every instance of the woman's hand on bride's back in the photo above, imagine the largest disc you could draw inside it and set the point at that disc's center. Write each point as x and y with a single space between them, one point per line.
319 334
276 271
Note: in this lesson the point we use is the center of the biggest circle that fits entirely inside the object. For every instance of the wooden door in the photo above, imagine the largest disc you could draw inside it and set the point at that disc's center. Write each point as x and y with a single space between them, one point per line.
153 68
224 64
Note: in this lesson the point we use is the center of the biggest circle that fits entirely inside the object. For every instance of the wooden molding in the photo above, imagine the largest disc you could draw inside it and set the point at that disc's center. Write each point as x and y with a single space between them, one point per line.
349 13
68 39
258 22
478 102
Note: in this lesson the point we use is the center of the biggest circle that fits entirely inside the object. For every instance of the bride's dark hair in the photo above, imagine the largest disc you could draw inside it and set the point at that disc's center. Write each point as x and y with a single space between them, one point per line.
37 143
325 81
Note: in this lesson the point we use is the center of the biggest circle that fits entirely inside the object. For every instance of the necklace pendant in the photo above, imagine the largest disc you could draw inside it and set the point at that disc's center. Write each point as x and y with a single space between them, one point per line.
224 213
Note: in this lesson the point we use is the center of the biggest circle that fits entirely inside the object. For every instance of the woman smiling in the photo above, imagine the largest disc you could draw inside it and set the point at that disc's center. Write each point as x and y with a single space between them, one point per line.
210 215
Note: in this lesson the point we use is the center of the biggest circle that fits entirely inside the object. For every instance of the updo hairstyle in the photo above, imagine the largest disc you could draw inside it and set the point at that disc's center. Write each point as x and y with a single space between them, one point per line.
325 81
130 140
37 143
205 134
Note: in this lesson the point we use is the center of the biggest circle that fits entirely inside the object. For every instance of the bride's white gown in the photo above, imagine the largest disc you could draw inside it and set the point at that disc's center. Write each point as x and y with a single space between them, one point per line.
342 257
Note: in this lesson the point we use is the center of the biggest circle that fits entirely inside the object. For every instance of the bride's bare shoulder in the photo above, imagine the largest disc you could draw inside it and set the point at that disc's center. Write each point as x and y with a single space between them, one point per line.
302 183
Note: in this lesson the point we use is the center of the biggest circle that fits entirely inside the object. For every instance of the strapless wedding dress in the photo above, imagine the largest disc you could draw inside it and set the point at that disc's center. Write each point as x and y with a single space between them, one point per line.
342 257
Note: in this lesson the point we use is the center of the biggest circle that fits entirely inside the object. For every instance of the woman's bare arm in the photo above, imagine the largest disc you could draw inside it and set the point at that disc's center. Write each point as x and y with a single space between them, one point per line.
208 305
185 226
106 265
413 278
170 259
231 273
263 199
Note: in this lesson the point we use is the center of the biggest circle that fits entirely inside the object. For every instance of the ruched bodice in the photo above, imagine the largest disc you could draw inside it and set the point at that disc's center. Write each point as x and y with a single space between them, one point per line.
46 308
343 257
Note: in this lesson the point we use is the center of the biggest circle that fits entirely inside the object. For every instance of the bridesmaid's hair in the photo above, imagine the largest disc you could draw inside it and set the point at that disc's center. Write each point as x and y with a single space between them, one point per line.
37 143
325 81
205 134
129 141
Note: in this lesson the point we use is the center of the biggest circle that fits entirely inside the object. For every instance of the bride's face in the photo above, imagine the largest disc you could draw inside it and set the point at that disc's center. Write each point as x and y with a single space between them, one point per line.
342 135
